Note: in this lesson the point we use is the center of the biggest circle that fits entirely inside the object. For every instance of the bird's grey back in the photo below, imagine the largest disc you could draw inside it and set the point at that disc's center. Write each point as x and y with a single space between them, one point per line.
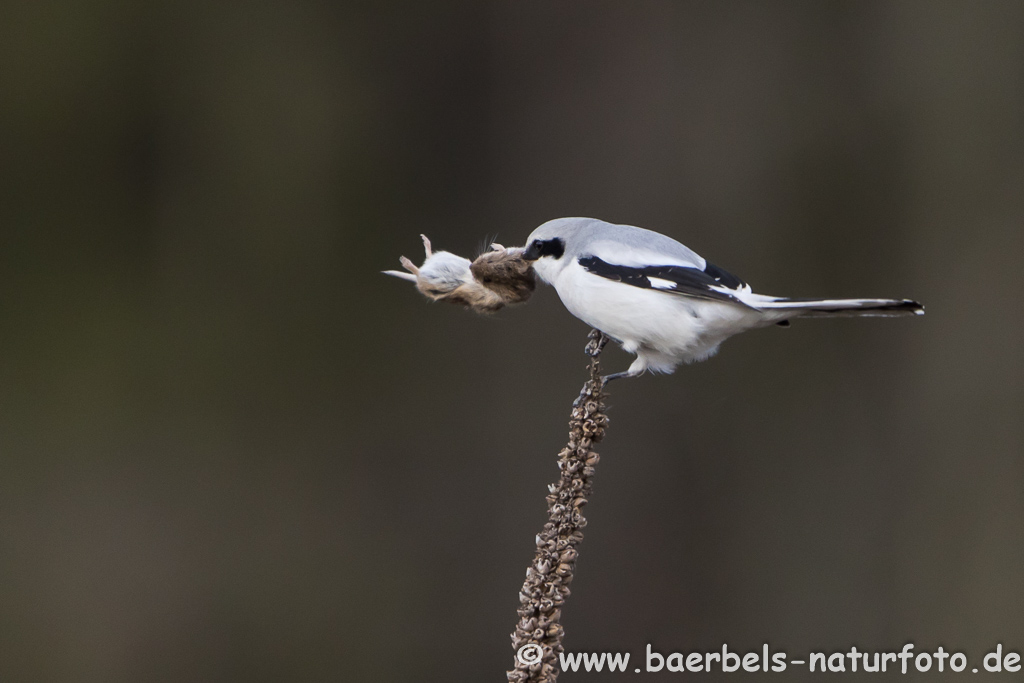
581 232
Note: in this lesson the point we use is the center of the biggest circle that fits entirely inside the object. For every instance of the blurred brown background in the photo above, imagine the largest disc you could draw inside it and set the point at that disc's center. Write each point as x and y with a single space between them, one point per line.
231 450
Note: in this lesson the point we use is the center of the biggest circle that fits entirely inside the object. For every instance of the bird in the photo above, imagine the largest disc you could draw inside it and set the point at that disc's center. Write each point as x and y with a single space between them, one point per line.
659 299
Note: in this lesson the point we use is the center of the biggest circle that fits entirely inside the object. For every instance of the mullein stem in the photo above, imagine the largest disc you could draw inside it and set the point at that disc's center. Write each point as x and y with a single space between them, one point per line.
548 577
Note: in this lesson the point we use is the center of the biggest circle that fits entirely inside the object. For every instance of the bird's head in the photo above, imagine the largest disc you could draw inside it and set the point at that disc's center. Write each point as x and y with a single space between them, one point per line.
552 245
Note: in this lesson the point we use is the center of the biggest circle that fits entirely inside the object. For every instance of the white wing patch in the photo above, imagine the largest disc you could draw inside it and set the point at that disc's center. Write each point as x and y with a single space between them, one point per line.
659 283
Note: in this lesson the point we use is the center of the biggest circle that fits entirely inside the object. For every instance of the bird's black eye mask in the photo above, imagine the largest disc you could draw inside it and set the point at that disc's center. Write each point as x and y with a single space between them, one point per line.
538 248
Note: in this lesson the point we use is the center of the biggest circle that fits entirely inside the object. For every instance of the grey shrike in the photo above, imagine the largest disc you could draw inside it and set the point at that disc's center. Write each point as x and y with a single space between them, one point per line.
659 299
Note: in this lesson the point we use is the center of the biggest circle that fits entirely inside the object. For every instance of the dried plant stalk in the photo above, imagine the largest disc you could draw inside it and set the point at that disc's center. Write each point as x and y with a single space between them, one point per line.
548 578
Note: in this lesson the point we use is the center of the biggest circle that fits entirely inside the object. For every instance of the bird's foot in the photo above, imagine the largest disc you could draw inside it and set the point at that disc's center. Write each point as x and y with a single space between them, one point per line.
597 342
619 375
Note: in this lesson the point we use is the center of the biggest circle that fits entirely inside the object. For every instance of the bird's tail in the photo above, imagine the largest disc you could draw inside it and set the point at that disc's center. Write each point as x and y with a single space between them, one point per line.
830 308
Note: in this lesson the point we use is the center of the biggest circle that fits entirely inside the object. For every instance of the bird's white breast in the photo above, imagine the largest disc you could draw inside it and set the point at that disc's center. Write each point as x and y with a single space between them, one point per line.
679 326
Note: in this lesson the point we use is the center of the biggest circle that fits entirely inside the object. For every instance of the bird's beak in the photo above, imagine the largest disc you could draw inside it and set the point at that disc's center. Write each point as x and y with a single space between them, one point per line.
531 253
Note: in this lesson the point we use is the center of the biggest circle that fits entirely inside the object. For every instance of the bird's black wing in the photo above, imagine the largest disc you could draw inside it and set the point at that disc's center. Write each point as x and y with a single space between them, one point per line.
703 284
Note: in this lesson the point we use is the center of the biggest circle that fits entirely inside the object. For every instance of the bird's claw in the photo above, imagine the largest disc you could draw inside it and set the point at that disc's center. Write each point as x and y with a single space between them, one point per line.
597 343
615 375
